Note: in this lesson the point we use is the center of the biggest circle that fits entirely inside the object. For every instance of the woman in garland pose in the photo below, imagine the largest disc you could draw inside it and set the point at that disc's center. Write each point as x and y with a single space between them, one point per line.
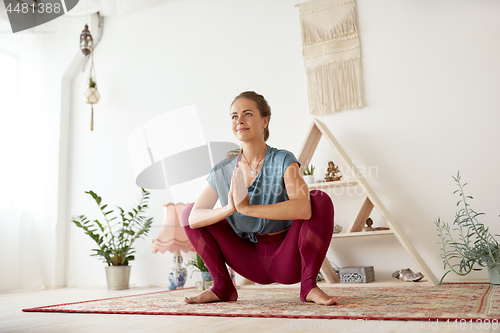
274 230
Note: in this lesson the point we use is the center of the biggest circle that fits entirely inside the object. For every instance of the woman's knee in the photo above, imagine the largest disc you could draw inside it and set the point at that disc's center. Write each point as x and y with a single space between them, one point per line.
192 234
185 214
321 202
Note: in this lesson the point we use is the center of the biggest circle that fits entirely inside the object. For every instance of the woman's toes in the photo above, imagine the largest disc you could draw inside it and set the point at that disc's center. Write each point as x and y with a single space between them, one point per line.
318 296
331 301
206 297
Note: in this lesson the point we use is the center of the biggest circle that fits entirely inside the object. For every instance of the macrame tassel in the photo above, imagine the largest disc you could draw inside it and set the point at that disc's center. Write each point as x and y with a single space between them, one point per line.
92 117
335 86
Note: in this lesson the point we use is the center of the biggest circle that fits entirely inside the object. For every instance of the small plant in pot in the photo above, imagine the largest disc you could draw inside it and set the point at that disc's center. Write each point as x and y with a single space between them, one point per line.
115 238
469 244
91 94
200 266
308 174
92 83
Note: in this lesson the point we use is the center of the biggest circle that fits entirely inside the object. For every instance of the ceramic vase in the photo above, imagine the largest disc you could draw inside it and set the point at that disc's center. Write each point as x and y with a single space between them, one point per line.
206 276
178 274
117 277
232 275
494 274
309 179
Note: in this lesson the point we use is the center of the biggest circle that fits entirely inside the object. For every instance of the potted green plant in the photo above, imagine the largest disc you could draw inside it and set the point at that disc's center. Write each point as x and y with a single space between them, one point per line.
115 238
469 244
92 83
308 174
200 266
91 95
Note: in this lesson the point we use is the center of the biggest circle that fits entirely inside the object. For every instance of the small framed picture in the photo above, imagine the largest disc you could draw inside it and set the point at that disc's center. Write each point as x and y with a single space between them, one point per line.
199 285
208 284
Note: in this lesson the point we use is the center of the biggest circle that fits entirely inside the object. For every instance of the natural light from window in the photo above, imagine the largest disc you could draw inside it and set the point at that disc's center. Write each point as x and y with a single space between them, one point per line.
8 111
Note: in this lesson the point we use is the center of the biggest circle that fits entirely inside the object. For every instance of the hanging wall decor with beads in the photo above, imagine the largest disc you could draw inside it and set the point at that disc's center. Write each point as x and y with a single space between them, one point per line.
332 56
91 94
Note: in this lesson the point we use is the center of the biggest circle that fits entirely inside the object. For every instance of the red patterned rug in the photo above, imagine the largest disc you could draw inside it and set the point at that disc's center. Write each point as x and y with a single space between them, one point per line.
450 301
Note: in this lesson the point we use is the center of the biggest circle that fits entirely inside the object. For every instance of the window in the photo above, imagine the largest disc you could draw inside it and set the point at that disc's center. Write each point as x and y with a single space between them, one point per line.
8 124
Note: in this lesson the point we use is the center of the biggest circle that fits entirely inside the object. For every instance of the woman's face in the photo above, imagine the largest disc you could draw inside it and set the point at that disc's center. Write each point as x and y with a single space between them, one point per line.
246 121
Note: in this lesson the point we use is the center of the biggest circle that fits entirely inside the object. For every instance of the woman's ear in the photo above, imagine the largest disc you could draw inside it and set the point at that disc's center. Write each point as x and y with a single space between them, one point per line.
266 122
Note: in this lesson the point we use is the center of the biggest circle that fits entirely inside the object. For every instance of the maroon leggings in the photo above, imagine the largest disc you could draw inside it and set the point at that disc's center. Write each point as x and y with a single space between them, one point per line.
288 257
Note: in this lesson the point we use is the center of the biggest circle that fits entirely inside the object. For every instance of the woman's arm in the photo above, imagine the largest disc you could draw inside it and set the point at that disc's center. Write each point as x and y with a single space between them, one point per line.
297 208
203 213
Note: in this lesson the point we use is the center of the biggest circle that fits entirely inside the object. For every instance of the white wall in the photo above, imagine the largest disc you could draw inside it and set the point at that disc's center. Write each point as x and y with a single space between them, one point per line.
430 71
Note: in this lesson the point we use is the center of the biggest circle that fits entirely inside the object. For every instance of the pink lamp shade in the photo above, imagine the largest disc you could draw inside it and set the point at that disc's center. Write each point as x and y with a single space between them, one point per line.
172 236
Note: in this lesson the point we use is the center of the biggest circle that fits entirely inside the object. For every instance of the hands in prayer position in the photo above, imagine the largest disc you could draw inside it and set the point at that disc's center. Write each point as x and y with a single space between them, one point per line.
238 192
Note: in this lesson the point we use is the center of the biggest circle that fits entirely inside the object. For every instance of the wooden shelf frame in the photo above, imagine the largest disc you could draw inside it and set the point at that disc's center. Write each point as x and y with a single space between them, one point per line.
339 183
363 233
371 201
318 130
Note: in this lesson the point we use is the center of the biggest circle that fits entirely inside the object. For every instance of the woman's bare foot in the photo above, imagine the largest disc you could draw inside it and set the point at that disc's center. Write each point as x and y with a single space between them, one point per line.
318 296
206 297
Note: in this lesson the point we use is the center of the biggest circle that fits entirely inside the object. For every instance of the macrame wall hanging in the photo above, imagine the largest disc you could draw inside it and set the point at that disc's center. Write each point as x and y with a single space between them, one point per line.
332 56
91 94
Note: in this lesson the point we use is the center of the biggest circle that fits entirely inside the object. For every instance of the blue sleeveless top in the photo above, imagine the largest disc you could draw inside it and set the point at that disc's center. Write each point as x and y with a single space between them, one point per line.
268 188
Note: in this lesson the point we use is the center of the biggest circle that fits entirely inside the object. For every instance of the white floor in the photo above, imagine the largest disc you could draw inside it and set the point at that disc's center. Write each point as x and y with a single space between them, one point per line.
12 319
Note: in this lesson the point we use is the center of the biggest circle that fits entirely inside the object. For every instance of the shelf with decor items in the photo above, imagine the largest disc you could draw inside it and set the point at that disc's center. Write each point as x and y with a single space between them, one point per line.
370 201
355 229
363 233
338 183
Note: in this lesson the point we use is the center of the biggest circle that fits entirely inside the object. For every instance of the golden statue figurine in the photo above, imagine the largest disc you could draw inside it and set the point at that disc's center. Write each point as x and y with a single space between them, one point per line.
333 170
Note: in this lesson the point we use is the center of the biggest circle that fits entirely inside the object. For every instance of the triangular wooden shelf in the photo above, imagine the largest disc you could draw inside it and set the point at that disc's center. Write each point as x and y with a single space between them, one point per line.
316 131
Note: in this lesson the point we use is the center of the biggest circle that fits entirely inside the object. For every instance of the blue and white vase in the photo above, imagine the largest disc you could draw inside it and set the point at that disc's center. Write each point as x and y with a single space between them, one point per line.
178 274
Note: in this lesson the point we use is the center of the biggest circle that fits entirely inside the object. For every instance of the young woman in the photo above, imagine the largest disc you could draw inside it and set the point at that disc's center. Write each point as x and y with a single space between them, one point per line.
274 230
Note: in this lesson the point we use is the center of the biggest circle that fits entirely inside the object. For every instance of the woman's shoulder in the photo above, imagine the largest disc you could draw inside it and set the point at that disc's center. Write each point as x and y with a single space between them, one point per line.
281 158
226 162
281 153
